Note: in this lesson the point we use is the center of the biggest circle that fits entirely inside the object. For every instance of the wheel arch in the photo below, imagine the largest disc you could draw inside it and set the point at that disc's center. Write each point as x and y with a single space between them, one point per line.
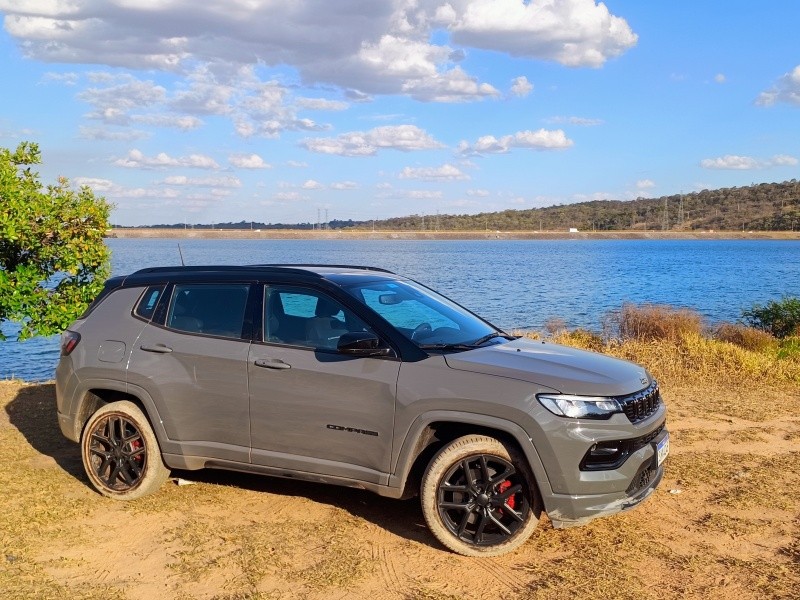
99 393
432 430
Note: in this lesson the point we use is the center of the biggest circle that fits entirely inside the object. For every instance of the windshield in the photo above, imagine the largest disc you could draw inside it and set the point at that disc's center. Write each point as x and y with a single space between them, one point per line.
422 315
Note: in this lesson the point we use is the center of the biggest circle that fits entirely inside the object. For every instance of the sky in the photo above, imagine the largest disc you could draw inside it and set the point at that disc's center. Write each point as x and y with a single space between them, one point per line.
276 111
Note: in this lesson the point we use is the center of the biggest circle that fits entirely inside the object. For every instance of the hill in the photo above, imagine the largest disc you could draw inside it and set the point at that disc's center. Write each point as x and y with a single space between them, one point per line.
759 207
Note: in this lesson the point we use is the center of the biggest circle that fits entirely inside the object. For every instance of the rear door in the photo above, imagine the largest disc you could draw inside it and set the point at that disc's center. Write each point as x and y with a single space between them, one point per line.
311 408
193 363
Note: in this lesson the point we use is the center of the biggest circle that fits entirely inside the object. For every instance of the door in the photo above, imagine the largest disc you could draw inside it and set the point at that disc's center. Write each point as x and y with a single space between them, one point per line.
311 408
194 366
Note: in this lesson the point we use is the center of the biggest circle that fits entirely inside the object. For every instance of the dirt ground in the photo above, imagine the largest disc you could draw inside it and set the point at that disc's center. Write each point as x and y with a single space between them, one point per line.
724 524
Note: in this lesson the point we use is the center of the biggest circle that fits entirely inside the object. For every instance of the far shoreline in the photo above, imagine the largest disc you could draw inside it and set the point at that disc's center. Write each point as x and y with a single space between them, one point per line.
349 234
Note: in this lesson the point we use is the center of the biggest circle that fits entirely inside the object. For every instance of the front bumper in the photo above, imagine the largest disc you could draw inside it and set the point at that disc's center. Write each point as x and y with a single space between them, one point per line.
566 510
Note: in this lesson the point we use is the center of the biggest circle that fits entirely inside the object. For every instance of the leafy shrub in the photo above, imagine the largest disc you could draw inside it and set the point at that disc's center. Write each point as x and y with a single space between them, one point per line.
745 337
781 318
650 322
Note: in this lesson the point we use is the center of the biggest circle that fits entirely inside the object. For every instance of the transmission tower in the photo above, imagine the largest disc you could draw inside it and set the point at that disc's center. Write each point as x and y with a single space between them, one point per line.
665 222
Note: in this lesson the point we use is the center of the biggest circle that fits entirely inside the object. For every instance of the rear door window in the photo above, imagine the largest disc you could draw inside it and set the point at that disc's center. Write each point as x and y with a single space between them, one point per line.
216 309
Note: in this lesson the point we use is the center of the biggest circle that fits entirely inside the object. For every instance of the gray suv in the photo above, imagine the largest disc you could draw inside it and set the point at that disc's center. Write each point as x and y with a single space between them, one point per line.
358 377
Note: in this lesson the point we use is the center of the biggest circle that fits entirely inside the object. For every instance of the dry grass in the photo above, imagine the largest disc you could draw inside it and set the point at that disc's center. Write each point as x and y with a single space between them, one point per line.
745 337
651 322
731 534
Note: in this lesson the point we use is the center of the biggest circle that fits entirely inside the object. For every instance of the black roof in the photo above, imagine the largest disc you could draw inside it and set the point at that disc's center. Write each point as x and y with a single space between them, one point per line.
335 273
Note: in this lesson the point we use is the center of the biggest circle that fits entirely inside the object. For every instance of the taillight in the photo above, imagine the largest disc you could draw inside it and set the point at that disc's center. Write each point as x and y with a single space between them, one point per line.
69 339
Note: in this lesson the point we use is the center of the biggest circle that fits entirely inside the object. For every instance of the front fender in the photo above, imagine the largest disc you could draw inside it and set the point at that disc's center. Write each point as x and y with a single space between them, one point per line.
410 447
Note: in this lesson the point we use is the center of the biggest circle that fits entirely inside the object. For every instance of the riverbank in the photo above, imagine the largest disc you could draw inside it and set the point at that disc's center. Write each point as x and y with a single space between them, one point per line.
348 234
723 525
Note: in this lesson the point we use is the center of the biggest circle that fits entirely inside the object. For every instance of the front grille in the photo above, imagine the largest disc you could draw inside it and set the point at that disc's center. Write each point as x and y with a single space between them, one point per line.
642 404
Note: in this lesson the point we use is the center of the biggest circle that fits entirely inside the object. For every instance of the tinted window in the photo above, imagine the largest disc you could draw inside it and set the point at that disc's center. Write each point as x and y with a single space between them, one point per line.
306 318
149 301
420 314
211 309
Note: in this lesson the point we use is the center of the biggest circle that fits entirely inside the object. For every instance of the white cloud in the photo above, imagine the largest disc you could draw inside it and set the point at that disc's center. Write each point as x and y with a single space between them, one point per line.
575 33
747 163
363 46
98 185
720 78
184 123
62 78
223 182
478 193
310 184
645 184
423 195
784 160
542 139
786 89
521 87
248 161
344 185
137 160
107 134
289 197
446 172
579 121
321 104
358 143
453 86
297 164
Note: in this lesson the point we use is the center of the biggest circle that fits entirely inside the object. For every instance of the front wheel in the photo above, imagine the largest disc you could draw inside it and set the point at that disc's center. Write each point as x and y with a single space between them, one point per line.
479 497
120 453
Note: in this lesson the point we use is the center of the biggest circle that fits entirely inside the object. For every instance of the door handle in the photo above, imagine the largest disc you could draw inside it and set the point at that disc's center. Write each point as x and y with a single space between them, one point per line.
272 363
159 348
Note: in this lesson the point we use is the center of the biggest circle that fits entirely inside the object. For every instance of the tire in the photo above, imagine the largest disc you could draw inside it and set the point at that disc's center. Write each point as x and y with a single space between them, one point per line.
120 453
494 512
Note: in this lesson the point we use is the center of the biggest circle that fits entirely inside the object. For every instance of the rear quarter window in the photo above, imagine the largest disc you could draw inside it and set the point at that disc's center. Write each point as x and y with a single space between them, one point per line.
148 302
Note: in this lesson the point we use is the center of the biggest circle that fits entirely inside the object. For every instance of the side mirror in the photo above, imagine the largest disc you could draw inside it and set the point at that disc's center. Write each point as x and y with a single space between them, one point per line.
362 343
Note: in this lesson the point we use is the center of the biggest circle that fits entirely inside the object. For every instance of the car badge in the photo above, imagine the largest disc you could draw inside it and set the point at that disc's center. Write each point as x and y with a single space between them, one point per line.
643 379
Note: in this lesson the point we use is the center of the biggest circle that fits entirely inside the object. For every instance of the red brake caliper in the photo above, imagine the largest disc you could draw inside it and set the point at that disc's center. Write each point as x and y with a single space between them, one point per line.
502 488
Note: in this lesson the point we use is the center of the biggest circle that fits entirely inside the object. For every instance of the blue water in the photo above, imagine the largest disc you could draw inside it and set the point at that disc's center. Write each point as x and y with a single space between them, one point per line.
512 283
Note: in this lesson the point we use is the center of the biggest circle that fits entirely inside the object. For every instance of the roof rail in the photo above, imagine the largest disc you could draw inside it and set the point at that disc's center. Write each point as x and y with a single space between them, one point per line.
288 267
300 265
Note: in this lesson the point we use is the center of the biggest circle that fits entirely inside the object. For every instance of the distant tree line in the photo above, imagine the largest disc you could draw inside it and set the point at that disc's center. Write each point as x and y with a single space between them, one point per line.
760 207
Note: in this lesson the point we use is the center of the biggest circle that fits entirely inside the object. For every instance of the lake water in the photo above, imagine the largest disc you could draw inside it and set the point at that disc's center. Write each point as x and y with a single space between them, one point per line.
512 283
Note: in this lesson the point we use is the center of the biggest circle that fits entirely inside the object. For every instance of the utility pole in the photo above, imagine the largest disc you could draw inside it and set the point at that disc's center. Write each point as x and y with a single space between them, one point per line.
318 211
680 212
423 221
327 225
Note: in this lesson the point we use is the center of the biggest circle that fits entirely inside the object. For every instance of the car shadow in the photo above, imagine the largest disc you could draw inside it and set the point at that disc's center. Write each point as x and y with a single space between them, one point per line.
400 517
33 412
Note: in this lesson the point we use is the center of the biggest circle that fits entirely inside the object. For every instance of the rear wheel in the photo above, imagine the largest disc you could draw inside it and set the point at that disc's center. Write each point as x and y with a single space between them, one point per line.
479 497
120 453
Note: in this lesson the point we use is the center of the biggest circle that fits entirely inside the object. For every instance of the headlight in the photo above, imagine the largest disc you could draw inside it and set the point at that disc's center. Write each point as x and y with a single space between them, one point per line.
580 407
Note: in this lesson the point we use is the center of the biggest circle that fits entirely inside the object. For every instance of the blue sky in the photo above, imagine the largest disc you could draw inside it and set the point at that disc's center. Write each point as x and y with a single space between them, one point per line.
267 110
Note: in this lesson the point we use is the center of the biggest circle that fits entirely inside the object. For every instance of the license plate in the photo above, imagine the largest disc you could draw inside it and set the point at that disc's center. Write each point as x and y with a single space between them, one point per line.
662 449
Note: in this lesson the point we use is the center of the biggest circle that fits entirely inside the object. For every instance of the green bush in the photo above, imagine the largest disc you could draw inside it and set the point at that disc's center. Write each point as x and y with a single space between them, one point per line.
781 318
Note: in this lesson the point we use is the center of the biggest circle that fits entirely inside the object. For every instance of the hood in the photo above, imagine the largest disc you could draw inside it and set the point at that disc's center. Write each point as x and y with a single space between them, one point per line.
568 370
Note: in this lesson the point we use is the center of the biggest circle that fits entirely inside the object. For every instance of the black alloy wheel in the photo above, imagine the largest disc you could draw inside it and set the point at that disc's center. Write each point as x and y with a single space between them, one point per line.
481 501
118 453
479 496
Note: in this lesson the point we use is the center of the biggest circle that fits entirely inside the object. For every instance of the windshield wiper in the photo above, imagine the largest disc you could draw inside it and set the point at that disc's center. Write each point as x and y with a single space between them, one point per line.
447 346
491 336
468 346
